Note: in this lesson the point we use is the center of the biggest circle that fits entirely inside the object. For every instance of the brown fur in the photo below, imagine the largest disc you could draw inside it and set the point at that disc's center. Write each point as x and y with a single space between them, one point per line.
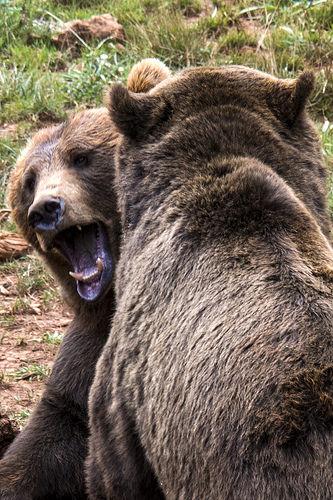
46 460
218 373
49 155
146 74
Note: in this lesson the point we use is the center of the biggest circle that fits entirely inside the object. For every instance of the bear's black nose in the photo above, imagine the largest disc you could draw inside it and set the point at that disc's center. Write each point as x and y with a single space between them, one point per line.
46 214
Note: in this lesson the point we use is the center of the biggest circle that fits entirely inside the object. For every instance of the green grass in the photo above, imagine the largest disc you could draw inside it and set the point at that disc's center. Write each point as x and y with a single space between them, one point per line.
30 372
9 149
31 275
20 306
38 81
7 321
39 84
53 338
21 418
33 280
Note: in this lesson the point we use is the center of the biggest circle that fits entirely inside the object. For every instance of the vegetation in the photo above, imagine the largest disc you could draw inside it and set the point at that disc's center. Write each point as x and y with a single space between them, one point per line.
39 84
21 417
33 371
52 338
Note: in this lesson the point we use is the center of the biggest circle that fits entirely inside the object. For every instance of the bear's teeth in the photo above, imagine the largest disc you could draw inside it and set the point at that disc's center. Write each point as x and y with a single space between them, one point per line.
41 242
79 228
76 276
99 264
88 277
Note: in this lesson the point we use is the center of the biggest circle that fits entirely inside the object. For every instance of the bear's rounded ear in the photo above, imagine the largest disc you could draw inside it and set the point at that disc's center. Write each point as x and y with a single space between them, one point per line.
134 114
288 98
146 74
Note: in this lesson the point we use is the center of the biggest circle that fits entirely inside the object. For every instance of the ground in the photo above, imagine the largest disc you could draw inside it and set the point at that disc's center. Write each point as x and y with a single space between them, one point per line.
40 83
32 322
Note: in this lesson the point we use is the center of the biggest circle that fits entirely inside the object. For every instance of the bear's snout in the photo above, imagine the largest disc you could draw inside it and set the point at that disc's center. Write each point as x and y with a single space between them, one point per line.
46 214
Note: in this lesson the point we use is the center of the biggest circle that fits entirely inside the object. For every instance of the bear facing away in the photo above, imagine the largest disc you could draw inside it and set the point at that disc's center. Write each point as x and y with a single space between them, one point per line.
216 382
62 196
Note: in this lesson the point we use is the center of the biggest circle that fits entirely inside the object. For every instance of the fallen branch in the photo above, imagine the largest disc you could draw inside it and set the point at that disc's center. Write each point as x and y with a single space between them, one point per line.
12 245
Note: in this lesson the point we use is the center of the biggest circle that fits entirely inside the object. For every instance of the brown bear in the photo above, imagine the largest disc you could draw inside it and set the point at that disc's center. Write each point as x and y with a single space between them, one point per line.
62 197
217 380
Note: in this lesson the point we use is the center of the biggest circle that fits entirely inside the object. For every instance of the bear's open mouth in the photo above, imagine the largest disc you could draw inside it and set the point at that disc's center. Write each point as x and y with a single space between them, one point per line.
88 251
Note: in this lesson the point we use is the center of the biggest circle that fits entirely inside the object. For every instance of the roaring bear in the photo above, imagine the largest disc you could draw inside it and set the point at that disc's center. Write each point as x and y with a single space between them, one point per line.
62 198
217 380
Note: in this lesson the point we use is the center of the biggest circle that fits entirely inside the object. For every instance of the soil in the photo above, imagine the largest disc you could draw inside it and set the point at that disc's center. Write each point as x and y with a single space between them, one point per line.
7 130
22 345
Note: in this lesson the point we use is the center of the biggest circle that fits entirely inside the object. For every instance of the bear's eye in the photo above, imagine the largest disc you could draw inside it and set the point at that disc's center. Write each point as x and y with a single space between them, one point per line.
30 183
80 160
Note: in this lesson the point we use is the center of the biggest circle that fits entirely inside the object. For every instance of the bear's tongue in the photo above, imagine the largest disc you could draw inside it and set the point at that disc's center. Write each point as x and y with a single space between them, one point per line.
87 250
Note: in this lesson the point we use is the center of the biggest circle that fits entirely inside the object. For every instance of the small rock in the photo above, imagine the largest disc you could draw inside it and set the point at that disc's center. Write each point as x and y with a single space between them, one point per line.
95 28
4 291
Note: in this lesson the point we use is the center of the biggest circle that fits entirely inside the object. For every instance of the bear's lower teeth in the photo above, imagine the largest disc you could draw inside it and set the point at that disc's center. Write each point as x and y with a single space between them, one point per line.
99 264
90 277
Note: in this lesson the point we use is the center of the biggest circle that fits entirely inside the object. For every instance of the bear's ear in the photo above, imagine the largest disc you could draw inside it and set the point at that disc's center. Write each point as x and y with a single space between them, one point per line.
288 98
135 114
146 74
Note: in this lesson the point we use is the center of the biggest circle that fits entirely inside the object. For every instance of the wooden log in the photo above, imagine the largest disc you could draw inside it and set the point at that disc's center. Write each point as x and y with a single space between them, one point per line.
12 245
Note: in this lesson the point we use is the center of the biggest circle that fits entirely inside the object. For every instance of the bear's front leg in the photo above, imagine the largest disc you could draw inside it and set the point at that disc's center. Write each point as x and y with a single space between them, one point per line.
45 460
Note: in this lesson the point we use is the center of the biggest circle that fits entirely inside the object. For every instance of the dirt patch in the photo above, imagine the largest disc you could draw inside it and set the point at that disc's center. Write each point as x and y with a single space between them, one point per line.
8 130
75 33
31 326
207 9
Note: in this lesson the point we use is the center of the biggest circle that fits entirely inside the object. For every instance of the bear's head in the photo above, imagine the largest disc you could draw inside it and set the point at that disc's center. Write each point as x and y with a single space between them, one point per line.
63 201
173 132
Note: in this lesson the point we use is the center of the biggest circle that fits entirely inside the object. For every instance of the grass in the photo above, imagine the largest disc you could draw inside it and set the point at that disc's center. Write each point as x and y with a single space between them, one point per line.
53 338
7 321
31 275
39 84
21 417
30 372
20 306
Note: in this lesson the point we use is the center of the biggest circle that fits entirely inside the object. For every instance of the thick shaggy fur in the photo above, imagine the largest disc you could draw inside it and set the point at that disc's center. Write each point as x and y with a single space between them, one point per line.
217 380
46 460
